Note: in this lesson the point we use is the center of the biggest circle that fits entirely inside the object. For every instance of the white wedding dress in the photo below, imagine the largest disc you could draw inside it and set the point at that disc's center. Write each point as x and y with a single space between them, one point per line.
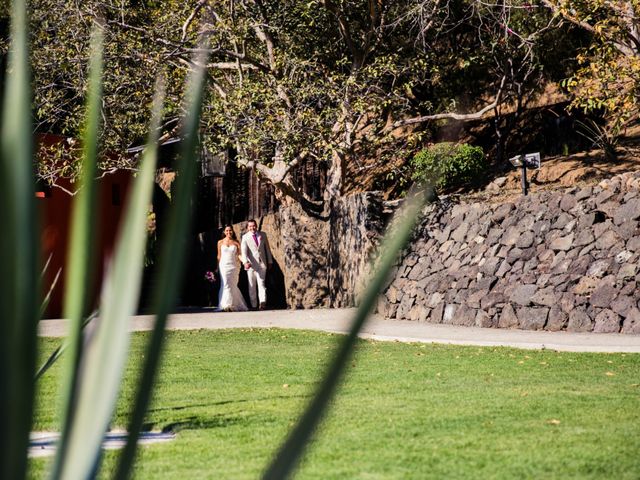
229 296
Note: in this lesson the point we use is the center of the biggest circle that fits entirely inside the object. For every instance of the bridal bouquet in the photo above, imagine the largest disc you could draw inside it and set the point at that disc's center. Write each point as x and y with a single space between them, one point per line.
210 276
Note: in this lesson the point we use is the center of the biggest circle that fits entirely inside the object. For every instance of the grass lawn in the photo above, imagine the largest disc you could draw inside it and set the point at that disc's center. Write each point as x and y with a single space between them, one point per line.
405 411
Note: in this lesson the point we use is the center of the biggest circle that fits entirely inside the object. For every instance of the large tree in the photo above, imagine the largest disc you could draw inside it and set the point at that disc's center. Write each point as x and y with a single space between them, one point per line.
315 80
608 80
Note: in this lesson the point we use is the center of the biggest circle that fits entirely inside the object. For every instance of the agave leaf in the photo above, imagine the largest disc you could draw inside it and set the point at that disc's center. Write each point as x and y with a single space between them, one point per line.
171 262
47 298
46 266
105 351
19 286
57 353
77 288
289 454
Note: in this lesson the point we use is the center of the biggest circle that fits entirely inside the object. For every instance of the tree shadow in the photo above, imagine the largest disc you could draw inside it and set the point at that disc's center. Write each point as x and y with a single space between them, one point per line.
197 422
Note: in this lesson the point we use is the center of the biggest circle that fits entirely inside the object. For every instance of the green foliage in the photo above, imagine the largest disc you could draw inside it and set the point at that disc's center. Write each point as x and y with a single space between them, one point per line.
323 81
606 81
448 165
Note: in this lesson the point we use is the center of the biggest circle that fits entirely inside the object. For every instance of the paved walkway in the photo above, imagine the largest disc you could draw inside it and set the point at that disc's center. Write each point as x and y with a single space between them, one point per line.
337 320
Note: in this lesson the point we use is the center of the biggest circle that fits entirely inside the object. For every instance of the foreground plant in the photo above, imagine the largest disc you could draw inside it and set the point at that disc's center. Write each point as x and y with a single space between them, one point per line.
94 363
96 352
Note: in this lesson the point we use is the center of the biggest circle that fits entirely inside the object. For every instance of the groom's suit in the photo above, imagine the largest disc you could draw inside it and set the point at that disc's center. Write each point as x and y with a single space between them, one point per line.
256 251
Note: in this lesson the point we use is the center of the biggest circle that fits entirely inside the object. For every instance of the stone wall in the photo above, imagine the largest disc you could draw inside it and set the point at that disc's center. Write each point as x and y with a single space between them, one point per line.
561 260
324 261
355 232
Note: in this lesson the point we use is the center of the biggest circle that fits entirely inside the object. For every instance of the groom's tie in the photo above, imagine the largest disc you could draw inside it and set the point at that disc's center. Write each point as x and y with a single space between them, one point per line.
255 238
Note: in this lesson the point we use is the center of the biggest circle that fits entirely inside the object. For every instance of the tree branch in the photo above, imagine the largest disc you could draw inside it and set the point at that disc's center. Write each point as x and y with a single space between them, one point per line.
452 115
187 23
620 46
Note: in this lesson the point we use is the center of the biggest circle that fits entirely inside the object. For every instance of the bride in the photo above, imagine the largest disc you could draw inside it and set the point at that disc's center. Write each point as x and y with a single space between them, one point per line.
229 259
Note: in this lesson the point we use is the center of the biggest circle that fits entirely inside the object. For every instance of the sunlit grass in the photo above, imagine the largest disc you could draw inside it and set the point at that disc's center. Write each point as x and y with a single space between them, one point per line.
406 410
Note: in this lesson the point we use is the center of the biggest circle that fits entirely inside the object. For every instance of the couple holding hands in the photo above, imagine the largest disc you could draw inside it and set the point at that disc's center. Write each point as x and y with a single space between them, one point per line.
254 254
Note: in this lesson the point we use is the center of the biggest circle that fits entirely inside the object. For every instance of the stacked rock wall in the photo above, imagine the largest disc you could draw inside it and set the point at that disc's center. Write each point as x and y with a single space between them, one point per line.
355 230
324 261
561 260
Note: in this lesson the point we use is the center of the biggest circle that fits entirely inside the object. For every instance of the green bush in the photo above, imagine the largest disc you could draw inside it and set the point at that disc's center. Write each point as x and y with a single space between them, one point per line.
447 165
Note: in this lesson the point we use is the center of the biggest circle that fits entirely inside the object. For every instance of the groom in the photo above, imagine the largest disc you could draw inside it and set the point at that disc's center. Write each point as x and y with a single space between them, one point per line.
258 259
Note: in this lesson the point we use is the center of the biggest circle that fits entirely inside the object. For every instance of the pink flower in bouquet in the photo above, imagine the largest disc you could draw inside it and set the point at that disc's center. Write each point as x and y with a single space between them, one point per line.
210 276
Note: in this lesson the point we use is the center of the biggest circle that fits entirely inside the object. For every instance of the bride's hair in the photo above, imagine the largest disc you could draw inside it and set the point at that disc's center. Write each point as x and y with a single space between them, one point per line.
233 232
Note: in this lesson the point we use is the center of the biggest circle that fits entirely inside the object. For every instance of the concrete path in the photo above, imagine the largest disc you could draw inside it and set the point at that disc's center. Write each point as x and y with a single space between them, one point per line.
338 320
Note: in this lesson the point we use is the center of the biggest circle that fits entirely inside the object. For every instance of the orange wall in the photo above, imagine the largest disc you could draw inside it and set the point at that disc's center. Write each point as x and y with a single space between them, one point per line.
54 207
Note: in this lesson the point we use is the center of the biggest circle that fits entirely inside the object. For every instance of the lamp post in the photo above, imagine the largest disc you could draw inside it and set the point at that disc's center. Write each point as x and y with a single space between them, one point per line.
531 160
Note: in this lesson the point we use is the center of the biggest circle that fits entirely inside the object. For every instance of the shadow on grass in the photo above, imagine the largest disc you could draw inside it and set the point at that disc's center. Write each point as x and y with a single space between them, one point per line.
226 402
198 422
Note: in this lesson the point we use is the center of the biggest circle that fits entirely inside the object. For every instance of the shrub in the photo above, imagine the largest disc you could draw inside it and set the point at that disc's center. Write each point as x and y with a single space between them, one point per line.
447 165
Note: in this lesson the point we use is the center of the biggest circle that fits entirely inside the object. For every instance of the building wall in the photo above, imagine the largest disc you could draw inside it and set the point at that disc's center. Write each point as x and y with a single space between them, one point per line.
54 208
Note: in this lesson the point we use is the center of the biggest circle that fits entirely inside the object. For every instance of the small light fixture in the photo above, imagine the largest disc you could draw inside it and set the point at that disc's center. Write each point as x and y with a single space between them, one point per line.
531 160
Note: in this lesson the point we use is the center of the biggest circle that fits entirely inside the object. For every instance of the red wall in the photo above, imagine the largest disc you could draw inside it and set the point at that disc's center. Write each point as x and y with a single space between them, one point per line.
54 207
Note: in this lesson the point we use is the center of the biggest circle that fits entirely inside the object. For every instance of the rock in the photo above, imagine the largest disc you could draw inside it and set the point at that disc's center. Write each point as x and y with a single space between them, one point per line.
491 300
546 297
522 294
562 243
627 230
584 237
581 265
500 182
629 288
623 256
627 212
632 322
449 313
568 202
392 294
404 307
603 295
514 255
557 319
586 192
435 299
628 270
465 316
418 313
546 256
585 286
437 313
561 221
473 300
633 244
607 240
446 246
579 321
508 318
622 305
382 306
503 269
501 212
599 268
525 240
541 227
510 236
607 322
484 320
532 318
460 233
490 266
